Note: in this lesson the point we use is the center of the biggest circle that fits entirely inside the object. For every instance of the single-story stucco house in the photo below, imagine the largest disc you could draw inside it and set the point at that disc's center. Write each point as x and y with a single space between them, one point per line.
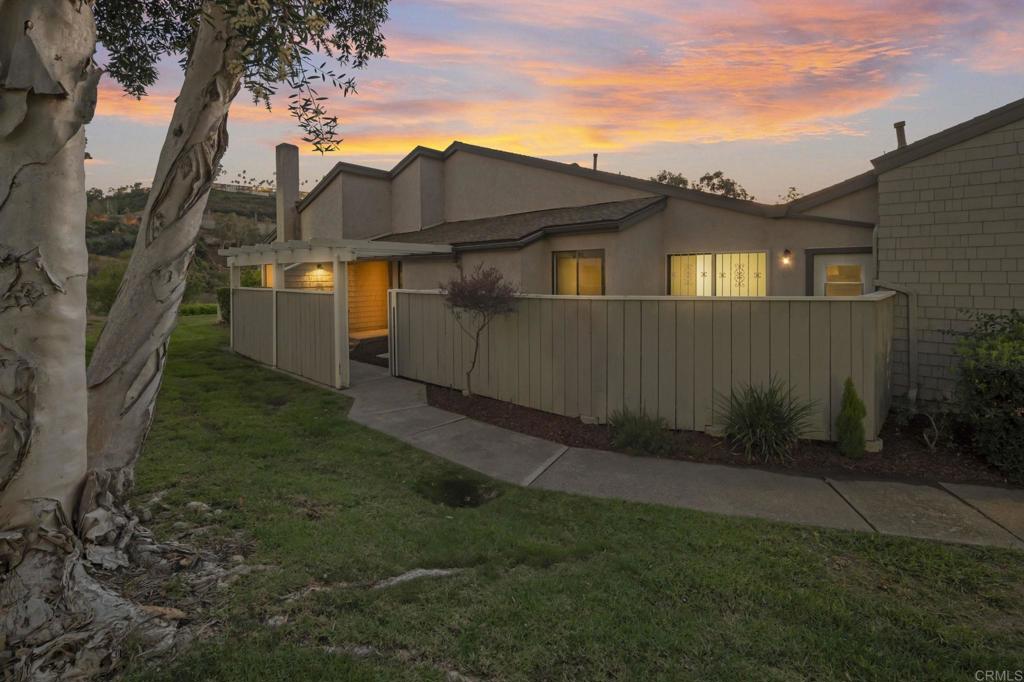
940 221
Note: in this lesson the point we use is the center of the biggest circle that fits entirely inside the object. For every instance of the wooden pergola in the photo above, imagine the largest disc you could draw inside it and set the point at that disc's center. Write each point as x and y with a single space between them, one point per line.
302 331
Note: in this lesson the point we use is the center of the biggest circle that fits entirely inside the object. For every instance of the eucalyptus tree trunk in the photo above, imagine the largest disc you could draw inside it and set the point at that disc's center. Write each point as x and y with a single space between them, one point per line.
127 364
54 616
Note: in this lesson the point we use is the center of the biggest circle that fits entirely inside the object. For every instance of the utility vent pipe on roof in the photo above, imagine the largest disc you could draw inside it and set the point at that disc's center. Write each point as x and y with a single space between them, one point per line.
901 134
595 161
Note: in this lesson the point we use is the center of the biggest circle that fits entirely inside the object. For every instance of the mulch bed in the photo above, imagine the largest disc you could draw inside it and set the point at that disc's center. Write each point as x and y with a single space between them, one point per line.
367 351
905 455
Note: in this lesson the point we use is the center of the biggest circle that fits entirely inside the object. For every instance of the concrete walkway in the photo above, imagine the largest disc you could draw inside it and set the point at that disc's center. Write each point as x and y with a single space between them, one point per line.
947 512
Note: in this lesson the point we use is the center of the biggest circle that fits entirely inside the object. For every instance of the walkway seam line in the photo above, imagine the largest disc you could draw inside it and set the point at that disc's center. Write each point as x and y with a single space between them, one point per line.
539 471
856 511
402 409
979 510
459 418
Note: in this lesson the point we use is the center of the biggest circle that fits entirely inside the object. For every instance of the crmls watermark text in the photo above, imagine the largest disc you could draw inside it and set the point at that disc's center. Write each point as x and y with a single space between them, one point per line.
999 675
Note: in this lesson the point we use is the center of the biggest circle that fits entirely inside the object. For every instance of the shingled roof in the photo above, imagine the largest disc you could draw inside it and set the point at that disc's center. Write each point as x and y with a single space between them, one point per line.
519 229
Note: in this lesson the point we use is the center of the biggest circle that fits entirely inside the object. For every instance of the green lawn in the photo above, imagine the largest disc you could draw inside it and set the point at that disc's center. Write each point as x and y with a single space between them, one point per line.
554 586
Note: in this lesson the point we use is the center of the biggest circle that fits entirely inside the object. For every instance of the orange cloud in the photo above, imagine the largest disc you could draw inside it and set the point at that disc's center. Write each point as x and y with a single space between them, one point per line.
157 107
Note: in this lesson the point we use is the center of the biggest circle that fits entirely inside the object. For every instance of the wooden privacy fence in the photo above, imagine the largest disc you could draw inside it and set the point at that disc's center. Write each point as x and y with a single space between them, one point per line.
668 356
296 335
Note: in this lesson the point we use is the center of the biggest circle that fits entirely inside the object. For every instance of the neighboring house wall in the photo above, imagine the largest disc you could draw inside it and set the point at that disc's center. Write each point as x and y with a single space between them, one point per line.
861 205
478 186
952 229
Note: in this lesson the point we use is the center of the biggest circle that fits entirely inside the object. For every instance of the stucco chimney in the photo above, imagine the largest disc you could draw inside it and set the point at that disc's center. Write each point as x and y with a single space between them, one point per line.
595 161
901 134
287 192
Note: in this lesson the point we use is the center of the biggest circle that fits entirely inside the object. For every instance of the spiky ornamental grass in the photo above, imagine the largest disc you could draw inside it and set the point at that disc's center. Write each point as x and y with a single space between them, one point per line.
766 421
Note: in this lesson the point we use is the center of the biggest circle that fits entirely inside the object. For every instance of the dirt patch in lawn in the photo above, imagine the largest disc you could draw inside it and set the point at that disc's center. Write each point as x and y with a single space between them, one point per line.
456 491
367 351
905 455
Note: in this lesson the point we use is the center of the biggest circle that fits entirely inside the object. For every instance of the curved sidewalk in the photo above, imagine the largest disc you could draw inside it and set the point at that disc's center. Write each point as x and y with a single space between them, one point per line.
947 512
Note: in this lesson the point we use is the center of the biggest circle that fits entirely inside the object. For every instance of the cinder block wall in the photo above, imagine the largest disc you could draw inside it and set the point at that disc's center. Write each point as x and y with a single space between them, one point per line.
951 228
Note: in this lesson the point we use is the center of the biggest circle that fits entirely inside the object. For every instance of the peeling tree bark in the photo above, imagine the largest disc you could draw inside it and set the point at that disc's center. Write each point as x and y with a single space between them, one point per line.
127 364
47 94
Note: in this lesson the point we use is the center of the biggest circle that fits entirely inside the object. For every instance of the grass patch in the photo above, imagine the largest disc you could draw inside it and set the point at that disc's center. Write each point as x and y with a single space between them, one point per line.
554 586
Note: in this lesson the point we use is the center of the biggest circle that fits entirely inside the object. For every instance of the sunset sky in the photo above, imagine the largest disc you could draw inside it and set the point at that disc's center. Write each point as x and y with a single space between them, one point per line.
773 92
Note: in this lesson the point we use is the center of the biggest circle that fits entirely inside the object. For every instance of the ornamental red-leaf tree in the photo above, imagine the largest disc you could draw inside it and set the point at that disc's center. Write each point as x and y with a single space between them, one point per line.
476 299
69 438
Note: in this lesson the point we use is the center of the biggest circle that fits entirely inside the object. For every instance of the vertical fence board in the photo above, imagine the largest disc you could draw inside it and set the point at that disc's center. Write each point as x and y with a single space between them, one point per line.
721 371
760 342
650 359
600 360
799 349
584 374
684 363
703 365
536 349
840 352
740 345
632 349
819 372
523 353
616 364
865 316
547 337
778 359
572 379
666 373
558 312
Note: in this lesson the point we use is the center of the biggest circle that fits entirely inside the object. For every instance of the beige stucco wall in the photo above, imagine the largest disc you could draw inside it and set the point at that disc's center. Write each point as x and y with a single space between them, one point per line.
427 273
478 186
321 218
861 205
406 210
951 228
366 206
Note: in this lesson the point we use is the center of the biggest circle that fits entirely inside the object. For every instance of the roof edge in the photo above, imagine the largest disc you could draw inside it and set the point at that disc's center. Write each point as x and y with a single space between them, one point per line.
568 228
979 125
831 193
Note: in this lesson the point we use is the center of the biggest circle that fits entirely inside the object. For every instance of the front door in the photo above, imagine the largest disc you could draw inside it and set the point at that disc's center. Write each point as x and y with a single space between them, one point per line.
843 274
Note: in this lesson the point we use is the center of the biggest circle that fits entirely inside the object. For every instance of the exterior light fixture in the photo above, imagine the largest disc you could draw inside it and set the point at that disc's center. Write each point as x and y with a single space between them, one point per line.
787 257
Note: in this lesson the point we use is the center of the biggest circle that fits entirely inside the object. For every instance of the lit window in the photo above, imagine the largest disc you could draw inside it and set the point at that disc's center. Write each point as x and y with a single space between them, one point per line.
719 274
579 273
844 280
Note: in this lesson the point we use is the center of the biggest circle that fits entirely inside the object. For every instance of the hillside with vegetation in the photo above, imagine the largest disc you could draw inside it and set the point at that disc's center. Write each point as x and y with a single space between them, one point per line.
231 218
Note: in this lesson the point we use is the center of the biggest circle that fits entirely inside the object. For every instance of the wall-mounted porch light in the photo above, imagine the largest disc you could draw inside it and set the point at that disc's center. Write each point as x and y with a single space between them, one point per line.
787 257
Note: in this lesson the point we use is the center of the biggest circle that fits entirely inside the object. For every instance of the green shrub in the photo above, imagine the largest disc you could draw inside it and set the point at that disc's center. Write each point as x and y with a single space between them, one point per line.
850 422
765 421
102 286
198 309
250 276
639 433
224 301
990 389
